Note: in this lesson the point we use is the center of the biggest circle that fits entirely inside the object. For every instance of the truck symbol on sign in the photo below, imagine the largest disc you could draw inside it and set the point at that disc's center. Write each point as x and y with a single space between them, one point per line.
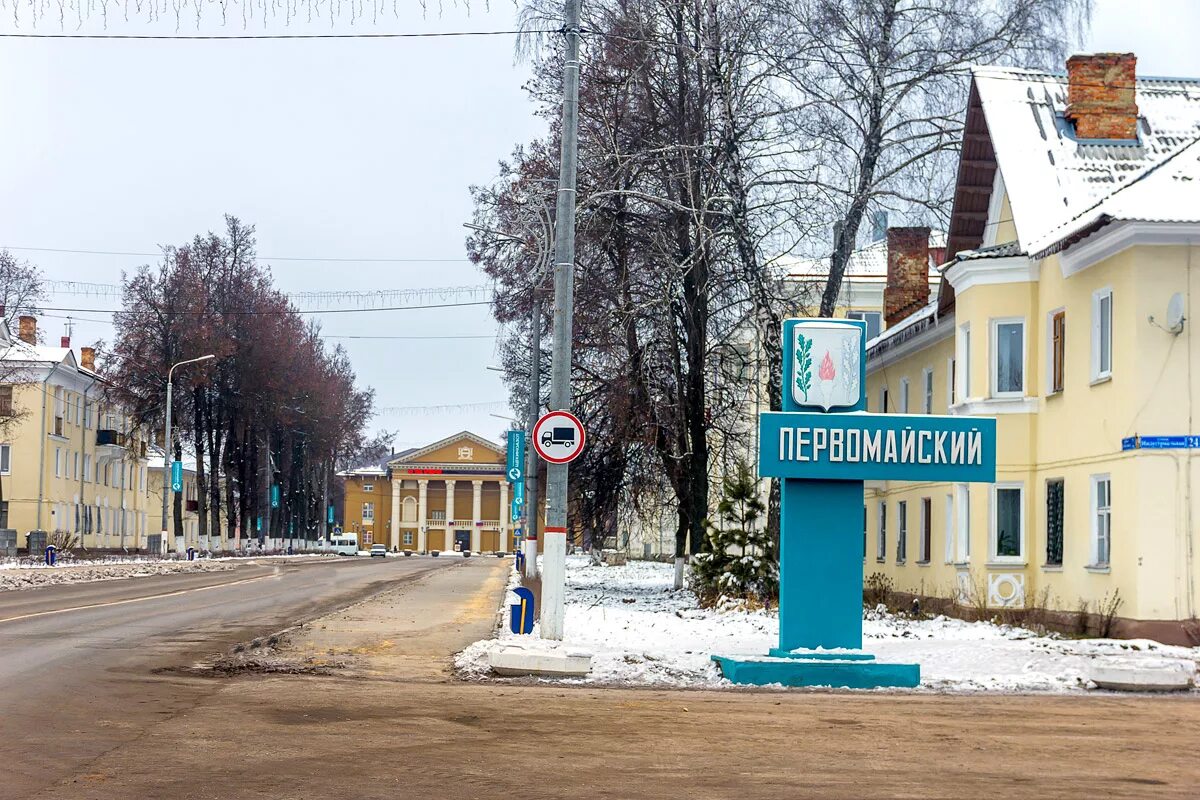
563 436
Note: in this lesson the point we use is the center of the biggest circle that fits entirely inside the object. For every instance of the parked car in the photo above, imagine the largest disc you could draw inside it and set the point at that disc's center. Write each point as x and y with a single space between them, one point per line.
379 550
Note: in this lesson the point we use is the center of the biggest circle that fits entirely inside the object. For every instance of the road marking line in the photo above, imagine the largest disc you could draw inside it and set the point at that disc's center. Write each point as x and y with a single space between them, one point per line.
134 599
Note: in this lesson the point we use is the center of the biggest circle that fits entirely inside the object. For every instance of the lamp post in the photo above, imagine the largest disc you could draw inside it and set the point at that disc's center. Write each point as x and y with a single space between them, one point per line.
168 450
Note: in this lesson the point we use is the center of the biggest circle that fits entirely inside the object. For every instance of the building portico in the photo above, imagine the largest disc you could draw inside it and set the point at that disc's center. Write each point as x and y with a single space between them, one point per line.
451 495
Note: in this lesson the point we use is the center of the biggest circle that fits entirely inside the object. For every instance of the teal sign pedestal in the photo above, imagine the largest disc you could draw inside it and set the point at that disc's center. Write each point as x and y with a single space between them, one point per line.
823 459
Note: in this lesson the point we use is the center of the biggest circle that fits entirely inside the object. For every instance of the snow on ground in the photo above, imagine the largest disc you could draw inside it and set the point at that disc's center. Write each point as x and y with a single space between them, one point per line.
27 574
641 631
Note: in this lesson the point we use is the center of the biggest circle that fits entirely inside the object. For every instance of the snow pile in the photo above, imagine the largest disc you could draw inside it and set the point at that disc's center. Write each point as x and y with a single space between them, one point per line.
30 576
641 631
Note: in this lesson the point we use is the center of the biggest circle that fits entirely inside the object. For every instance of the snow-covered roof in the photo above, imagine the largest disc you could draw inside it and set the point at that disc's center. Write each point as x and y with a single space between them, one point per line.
154 459
867 262
1058 184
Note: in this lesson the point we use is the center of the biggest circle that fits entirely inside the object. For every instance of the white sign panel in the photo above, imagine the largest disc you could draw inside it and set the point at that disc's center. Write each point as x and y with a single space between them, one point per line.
558 437
826 367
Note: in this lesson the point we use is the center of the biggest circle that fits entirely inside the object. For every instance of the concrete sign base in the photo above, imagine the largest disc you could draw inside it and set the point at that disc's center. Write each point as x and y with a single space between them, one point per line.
838 670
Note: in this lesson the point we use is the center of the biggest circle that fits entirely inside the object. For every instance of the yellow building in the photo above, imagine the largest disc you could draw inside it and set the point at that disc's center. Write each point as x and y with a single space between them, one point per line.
69 461
450 495
192 535
1074 245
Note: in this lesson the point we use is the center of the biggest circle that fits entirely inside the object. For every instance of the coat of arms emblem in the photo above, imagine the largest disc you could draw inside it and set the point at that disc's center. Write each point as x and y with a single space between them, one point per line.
827 365
466 453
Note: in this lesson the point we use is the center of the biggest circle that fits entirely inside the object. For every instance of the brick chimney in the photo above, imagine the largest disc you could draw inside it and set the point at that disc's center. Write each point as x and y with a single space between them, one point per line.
907 288
1101 99
27 332
87 358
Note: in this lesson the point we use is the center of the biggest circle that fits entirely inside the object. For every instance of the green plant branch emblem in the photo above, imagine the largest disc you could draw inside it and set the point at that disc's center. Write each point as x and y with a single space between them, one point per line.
803 364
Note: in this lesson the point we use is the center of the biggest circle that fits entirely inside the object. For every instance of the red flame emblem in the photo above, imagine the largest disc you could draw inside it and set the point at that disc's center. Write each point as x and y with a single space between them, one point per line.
827 371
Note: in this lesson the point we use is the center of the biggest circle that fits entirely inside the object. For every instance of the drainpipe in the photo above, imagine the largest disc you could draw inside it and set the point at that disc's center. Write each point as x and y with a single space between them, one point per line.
83 457
42 454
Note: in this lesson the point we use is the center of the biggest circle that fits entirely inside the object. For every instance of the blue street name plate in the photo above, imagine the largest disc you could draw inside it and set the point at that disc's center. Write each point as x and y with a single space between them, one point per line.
857 446
1181 442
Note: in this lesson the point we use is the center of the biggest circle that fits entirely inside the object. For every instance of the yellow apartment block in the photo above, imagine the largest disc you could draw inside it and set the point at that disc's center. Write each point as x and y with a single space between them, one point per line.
69 461
1064 313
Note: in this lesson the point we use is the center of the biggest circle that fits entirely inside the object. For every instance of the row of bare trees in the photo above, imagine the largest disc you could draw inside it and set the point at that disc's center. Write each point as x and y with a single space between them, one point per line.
719 137
276 406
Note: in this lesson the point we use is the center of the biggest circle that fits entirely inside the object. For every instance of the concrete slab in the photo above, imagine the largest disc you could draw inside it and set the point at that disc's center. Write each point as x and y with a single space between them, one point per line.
517 661
1128 678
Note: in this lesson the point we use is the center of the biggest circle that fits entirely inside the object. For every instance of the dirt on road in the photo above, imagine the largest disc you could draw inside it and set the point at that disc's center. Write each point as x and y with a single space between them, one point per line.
393 722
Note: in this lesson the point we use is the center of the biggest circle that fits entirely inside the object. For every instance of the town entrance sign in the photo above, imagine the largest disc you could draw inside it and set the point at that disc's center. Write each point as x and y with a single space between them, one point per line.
823 445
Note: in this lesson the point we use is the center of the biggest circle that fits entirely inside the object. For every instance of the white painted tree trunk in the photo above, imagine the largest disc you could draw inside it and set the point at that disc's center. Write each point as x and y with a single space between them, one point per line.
680 569
554 569
531 553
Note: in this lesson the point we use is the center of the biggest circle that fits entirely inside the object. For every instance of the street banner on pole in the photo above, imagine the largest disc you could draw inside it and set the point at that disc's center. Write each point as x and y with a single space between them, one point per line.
176 476
515 468
275 496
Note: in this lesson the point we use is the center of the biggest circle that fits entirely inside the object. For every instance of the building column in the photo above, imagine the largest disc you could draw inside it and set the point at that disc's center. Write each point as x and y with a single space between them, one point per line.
477 517
395 532
449 540
504 526
422 513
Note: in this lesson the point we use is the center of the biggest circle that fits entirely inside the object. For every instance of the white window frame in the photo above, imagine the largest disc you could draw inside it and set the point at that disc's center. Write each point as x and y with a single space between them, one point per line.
862 316
368 512
948 545
58 462
881 532
962 511
962 354
87 466
1099 372
408 537
994 356
902 532
927 390
924 554
5 459
993 529
951 379
1094 560
368 487
902 406
883 399
1049 377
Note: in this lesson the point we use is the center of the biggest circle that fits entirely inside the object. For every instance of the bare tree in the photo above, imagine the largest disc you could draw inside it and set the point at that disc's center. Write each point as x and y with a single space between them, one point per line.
879 87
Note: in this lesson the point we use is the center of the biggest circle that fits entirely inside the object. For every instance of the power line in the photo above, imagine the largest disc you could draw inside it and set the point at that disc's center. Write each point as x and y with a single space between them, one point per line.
287 311
479 336
236 37
331 260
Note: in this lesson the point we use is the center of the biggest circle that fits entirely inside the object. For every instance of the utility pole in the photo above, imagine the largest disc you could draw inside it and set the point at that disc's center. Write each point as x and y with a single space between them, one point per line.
554 535
168 450
531 459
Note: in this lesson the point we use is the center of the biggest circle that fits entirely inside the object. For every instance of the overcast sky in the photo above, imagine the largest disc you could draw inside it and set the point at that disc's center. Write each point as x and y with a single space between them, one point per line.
347 149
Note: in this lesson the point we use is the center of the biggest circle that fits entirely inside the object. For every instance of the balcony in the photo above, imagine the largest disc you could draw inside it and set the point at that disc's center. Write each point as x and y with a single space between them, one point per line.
106 437
110 445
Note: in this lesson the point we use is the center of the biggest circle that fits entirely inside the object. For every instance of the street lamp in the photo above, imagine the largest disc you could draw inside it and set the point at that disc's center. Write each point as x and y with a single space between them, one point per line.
168 450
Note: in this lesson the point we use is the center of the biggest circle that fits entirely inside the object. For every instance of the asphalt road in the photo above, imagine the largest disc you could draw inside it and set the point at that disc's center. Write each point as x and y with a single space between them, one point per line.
76 655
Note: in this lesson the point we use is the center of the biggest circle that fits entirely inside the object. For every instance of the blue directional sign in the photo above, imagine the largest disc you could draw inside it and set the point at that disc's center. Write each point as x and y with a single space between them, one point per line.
275 496
824 446
515 465
329 519
521 620
176 476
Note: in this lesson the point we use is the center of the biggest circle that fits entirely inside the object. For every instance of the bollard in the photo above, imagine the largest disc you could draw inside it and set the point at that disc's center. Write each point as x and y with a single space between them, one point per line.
51 555
519 564
521 619
191 554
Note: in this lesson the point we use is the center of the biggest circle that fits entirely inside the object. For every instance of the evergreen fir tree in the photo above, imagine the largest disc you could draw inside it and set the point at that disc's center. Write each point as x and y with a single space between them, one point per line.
741 563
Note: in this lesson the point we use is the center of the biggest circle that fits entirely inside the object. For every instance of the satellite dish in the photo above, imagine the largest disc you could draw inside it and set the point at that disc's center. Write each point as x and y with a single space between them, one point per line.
1175 309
